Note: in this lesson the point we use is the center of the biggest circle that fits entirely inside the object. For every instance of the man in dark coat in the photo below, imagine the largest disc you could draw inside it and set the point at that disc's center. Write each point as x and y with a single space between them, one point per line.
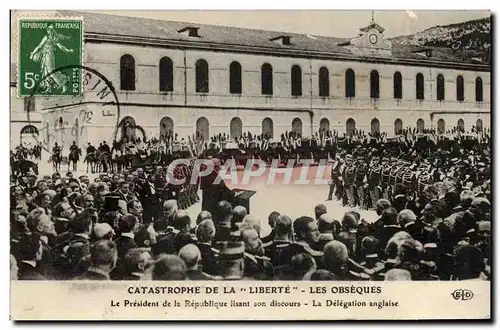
125 241
205 233
191 256
149 199
103 257
306 234
223 222
30 253
281 240
390 220
257 265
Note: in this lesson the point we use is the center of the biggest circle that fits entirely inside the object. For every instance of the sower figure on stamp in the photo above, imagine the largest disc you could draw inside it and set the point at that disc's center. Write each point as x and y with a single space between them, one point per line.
45 54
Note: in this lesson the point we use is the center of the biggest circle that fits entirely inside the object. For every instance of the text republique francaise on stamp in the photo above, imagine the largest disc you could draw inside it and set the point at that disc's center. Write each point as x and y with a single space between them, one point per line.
44 45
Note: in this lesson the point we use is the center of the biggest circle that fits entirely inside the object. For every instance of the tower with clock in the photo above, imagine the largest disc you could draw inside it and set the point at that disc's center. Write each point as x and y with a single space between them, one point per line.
370 41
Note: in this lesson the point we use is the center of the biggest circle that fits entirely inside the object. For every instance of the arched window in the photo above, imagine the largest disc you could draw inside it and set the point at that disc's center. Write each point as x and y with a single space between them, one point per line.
461 125
374 85
202 77
398 85
398 126
324 125
267 128
460 88
128 126
375 126
441 126
29 129
236 128
166 75
296 80
350 127
29 135
440 87
202 128
297 126
479 89
350 83
166 128
479 125
420 125
420 89
266 77
324 82
127 73
235 78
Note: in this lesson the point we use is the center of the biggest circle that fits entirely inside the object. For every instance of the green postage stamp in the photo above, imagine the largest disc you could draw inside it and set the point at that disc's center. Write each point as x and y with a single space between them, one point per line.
50 53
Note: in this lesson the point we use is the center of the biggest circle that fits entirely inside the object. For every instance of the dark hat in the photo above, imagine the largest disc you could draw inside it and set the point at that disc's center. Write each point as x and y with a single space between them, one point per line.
111 203
231 250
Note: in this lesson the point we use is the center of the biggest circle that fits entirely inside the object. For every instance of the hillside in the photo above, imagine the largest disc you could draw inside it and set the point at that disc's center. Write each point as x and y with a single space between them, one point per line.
472 36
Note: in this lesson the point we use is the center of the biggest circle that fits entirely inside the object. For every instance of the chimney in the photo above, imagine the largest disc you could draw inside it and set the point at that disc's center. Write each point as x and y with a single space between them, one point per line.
190 31
282 40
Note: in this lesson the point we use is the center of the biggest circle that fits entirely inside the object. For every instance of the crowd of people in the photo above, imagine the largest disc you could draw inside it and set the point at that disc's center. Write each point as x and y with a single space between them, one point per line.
432 196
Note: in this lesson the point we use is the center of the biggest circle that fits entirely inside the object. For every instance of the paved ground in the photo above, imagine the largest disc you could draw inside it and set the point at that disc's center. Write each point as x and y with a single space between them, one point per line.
292 199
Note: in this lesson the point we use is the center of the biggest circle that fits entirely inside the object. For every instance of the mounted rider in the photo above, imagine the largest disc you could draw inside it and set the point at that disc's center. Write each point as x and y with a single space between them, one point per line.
90 148
57 149
104 147
73 147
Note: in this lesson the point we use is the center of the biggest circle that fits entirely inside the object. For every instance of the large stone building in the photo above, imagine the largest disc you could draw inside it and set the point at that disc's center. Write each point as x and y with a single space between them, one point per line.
25 121
186 77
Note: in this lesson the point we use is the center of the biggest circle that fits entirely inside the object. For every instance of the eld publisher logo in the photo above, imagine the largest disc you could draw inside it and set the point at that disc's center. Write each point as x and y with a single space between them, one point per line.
462 294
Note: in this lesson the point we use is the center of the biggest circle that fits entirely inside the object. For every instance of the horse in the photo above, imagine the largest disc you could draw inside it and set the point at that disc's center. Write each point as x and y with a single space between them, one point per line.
104 161
121 162
23 166
91 159
56 161
74 157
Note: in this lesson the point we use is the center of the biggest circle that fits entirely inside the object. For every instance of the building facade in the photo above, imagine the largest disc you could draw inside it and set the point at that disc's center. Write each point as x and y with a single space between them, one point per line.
25 120
171 76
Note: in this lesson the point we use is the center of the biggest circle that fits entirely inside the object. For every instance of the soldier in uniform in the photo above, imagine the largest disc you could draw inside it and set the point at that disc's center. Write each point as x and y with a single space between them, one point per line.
385 178
360 180
73 146
374 180
57 149
105 147
336 180
348 178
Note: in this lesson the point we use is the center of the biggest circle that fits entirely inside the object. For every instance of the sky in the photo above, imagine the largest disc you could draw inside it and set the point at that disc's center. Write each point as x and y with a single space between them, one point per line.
343 24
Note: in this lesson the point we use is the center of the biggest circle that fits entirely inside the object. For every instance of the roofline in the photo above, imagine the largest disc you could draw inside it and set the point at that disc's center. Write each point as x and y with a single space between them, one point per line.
93 37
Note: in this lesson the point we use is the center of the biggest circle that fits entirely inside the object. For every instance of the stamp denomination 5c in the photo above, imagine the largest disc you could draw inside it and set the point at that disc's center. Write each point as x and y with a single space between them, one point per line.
44 45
